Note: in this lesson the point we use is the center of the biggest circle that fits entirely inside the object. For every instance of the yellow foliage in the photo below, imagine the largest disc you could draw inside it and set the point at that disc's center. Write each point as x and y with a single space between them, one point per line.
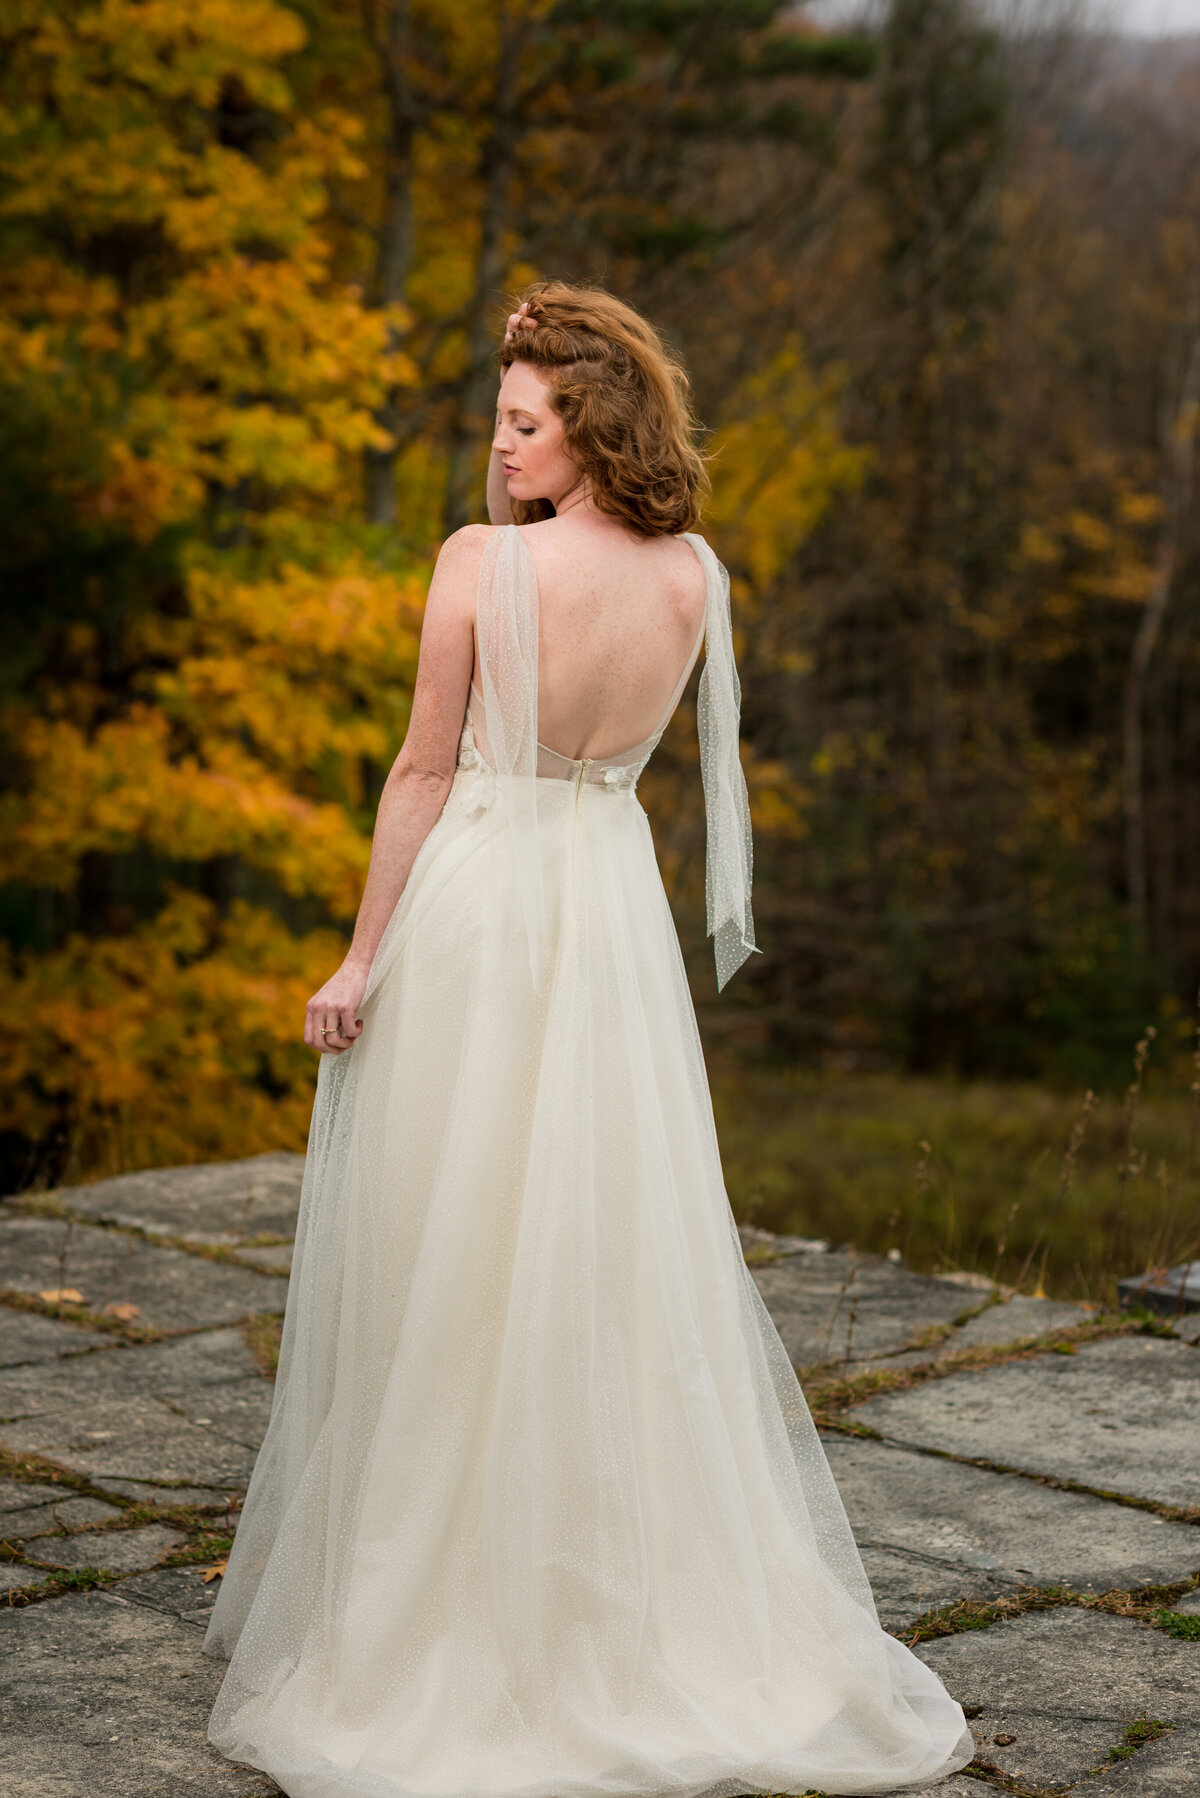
173 1043
244 705
779 462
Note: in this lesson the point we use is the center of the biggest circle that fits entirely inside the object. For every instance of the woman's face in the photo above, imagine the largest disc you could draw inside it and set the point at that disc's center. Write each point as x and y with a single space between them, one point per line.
529 439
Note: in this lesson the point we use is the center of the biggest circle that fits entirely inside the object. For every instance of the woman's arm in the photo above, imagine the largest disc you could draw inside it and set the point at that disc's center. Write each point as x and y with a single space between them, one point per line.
419 782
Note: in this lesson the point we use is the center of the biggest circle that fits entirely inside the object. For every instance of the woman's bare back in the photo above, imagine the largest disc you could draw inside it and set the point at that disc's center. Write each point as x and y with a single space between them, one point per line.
619 622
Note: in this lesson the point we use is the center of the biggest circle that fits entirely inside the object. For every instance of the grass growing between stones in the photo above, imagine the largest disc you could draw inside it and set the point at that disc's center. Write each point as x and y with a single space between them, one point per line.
263 1332
126 1329
206 1527
1138 1734
1184 1628
207 1545
39 1470
930 1336
830 1398
1143 1604
988 1773
73 1579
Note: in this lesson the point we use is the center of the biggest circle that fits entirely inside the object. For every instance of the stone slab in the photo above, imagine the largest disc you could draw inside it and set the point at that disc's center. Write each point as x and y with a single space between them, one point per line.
957 1786
1015 1319
23 1495
172 1289
940 1531
1164 1289
70 1514
1065 1683
1189 1604
184 1365
811 1298
907 1585
240 1410
104 1696
124 1551
29 1508
760 1245
191 1409
275 1260
1167 1767
146 1493
34 1520
13 1576
1121 1415
27 1336
212 1202
179 1591
136 1439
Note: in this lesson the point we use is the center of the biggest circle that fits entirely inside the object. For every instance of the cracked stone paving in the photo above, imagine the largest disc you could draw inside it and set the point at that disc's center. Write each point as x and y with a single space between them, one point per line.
1022 1476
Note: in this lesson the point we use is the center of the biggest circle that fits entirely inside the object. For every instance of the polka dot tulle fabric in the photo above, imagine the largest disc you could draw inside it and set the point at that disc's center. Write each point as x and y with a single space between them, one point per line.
541 1512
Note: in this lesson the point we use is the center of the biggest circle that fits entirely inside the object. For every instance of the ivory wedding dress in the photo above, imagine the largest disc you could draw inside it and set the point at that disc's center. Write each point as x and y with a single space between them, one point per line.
541 1512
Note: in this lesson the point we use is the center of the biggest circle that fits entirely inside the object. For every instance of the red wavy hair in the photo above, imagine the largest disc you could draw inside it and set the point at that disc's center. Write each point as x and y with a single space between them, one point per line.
624 400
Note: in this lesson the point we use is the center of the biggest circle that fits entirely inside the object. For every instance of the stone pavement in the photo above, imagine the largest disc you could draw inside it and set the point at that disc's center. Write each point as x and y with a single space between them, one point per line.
1023 1479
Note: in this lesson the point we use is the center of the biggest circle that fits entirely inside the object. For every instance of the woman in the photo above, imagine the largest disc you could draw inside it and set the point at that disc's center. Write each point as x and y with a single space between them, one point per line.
541 1512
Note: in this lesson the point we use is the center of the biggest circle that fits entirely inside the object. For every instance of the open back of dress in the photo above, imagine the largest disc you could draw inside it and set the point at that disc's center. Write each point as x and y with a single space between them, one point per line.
541 1512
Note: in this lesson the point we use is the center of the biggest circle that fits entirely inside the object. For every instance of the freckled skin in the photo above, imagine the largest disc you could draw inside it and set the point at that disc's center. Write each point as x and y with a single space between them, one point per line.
619 614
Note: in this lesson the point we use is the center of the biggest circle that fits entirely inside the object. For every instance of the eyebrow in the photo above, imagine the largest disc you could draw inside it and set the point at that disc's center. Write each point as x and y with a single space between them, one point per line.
516 411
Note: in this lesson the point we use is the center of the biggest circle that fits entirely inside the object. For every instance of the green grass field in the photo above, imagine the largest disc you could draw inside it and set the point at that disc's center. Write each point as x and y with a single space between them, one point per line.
842 1157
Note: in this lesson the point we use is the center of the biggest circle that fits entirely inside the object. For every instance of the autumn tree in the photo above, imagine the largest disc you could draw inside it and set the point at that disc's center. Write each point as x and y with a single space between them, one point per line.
510 137
213 669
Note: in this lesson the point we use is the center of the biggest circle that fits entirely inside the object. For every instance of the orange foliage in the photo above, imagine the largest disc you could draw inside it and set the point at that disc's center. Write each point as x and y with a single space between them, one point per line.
168 306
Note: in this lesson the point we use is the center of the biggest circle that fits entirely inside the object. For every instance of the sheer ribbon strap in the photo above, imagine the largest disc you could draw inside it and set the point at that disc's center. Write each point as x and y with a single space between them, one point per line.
506 627
718 714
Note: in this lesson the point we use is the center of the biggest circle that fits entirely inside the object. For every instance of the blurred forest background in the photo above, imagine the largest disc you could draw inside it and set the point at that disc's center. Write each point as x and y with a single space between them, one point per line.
937 281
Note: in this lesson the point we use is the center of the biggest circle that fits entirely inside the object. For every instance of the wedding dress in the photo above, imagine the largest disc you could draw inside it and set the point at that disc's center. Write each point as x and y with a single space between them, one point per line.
541 1512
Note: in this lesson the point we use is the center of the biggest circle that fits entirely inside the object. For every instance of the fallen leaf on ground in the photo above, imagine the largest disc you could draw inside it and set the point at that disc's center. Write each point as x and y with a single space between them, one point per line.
215 1571
123 1311
61 1295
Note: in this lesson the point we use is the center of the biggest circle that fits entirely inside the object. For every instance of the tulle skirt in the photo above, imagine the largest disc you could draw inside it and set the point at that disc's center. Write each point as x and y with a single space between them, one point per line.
541 1512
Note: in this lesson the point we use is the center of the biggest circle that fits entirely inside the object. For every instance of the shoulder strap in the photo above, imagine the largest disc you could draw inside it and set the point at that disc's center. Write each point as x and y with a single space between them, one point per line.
726 802
506 633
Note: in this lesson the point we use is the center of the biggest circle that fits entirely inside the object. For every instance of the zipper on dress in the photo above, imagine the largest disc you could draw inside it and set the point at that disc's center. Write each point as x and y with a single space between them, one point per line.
584 765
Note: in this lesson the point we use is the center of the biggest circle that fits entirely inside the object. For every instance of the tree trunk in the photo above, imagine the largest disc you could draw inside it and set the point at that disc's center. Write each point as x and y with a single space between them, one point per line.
1179 460
393 41
477 393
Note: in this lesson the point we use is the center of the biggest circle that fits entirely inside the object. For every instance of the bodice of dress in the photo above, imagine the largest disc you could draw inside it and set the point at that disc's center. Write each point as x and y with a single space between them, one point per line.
616 773
500 744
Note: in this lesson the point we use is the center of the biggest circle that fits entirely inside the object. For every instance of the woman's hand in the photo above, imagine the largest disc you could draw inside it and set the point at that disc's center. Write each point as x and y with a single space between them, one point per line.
331 1022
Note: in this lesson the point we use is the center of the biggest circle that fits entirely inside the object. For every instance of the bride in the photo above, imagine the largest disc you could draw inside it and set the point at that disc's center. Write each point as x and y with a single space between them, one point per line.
541 1512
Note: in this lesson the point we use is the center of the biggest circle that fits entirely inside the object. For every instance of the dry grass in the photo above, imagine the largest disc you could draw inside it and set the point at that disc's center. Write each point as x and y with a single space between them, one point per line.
263 1332
1043 1191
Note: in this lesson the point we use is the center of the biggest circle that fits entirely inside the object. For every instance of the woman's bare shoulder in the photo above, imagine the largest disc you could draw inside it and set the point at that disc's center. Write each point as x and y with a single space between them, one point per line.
689 580
456 571
469 541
